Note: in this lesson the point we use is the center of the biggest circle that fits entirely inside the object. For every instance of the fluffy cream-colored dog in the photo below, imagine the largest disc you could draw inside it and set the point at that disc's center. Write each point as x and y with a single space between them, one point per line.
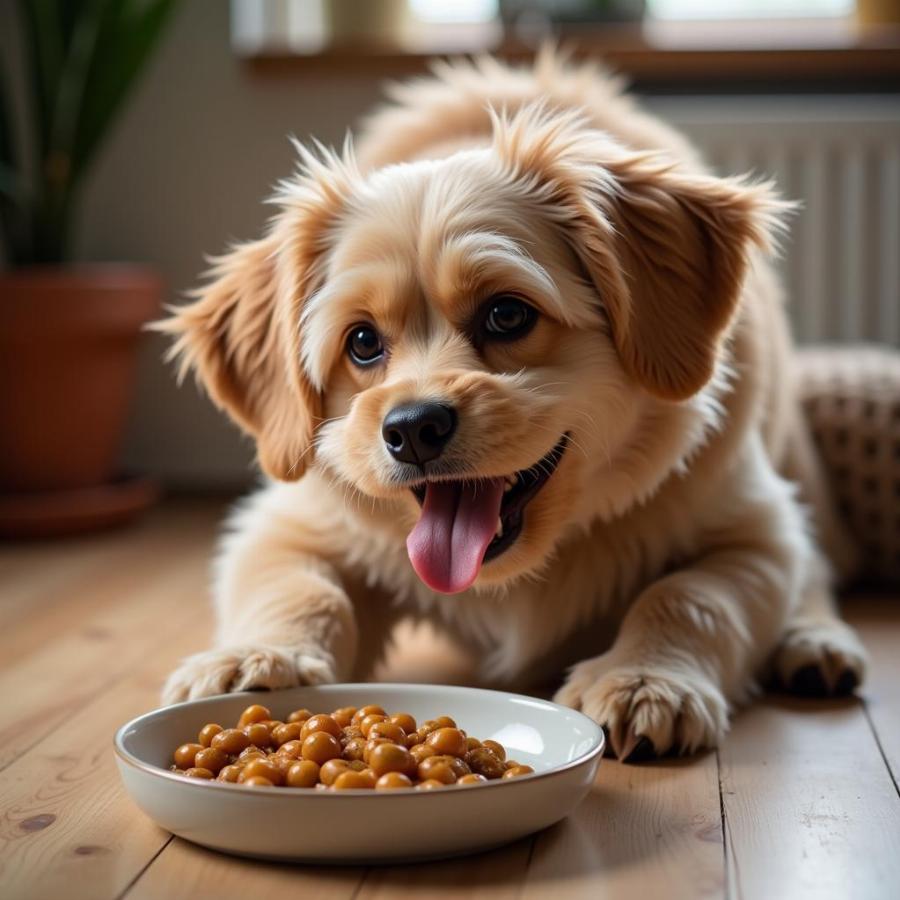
523 350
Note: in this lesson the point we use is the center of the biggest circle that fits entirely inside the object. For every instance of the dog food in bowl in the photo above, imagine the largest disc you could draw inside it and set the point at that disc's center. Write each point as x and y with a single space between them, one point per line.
350 748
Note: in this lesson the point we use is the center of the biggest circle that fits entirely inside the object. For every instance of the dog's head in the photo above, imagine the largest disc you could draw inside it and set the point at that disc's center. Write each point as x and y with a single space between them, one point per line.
486 336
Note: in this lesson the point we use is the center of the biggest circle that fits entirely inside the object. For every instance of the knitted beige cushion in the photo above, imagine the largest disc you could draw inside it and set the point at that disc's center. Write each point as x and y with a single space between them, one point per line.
852 398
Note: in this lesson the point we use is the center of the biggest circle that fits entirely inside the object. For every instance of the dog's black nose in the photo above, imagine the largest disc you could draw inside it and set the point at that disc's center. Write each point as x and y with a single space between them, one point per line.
418 432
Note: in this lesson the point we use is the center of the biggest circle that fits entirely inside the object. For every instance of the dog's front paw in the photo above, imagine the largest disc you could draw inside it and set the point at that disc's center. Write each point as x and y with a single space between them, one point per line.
820 659
230 669
647 712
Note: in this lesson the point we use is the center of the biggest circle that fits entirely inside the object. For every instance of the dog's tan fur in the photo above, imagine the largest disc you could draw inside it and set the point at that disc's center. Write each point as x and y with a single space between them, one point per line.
666 558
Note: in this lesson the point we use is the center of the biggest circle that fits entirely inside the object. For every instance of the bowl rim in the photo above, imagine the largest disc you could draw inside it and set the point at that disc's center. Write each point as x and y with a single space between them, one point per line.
126 757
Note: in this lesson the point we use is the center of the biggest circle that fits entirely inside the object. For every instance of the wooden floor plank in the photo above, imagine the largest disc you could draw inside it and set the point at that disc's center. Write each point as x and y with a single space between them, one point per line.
497 875
186 870
89 629
33 573
644 832
45 688
810 810
882 689
75 597
67 828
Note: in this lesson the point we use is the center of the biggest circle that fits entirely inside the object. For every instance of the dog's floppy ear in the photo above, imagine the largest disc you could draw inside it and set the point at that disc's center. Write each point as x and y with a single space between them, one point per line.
666 249
240 335
682 245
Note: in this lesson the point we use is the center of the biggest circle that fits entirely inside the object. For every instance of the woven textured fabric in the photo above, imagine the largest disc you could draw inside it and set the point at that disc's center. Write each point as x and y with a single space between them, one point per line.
852 398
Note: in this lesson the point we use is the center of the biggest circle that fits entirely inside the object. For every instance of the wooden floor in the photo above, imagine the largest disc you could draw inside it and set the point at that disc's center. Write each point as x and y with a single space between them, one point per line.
801 800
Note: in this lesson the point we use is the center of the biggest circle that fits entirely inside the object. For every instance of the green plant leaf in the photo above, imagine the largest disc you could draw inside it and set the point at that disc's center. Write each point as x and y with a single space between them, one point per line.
129 31
46 51
12 186
7 138
81 49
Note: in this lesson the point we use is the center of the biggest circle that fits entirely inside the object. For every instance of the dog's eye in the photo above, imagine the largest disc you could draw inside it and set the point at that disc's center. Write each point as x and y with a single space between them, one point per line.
508 318
364 345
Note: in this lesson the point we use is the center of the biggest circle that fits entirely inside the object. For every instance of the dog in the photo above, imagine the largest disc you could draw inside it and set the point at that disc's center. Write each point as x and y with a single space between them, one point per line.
517 365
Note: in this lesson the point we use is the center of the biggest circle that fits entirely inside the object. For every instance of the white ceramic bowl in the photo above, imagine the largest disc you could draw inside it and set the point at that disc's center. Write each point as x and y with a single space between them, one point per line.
563 746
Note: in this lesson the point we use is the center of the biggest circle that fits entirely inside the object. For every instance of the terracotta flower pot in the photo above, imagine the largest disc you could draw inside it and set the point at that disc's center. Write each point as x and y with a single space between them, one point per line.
68 341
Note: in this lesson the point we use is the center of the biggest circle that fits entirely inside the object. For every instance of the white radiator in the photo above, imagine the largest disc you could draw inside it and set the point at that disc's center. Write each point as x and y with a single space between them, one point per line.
840 156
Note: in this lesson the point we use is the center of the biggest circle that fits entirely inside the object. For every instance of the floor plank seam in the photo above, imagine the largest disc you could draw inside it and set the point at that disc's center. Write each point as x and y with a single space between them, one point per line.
140 874
724 823
733 889
887 763
360 884
531 848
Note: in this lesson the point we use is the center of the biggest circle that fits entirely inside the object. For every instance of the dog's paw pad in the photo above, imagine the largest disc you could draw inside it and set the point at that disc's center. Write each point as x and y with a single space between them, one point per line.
265 669
645 714
820 660
232 669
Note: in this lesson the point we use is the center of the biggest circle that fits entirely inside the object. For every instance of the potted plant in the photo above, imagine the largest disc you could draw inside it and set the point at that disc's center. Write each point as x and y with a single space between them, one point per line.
68 331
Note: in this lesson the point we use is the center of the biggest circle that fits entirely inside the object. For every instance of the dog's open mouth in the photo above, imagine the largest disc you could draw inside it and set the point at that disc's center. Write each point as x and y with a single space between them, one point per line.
467 523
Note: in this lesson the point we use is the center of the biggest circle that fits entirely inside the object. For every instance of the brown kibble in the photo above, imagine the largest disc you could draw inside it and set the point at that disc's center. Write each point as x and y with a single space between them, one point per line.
459 766
390 781
405 721
344 715
289 731
207 733
422 751
355 749
254 713
430 784
364 711
262 768
437 770
372 743
282 763
391 758
258 734
354 781
320 722
258 781
320 747
484 762
229 774
448 741
331 769
231 741
517 771
185 755
211 758
366 724
302 774
348 749
471 778
388 730
292 749
249 753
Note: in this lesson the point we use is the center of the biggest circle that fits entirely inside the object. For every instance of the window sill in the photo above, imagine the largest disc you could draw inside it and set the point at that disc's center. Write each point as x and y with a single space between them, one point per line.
776 52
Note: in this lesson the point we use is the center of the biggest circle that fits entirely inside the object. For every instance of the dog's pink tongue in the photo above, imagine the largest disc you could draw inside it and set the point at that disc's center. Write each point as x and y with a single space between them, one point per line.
448 543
